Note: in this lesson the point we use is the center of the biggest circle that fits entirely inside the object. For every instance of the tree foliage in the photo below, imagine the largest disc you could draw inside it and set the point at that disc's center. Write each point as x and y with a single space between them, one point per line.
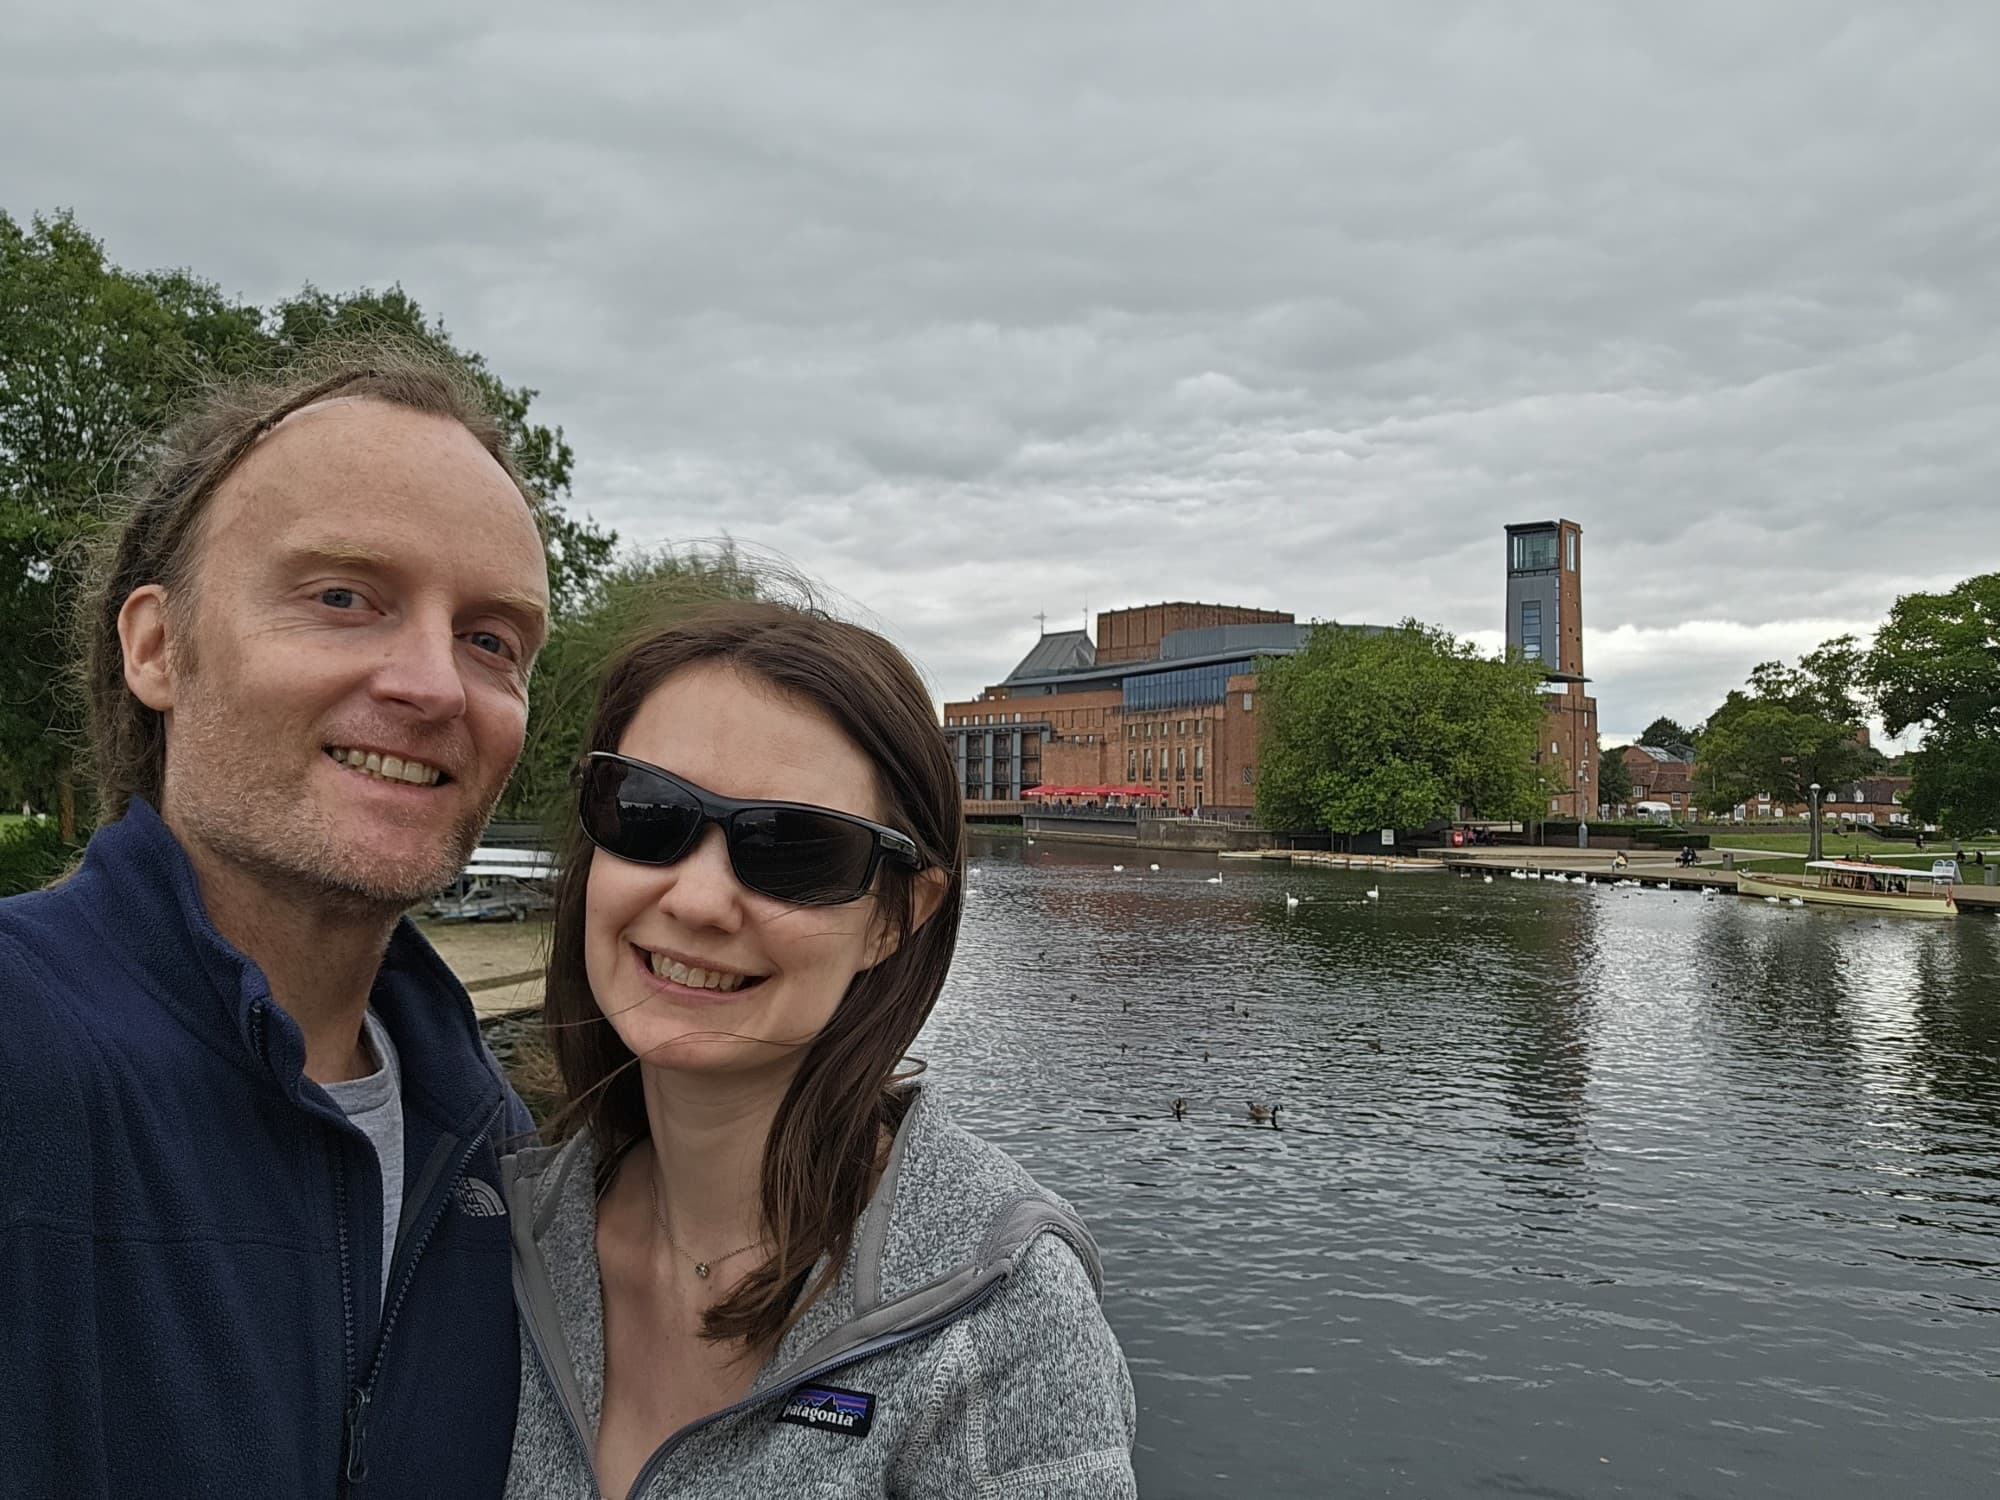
1614 779
1395 729
1935 663
642 591
94 360
1792 727
1665 734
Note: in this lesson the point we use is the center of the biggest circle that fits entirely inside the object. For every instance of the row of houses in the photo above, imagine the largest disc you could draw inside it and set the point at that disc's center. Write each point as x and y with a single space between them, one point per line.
1663 784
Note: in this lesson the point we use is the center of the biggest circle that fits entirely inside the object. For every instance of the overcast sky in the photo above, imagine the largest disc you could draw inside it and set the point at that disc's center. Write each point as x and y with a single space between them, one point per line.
978 311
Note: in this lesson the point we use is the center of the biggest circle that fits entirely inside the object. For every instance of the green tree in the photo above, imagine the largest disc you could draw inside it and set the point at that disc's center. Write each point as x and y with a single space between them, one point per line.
1614 780
1935 663
1664 734
1794 726
642 590
92 359
1396 729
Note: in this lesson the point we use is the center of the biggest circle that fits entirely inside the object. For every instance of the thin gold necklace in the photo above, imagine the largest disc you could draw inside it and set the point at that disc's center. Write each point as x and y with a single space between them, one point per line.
701 1267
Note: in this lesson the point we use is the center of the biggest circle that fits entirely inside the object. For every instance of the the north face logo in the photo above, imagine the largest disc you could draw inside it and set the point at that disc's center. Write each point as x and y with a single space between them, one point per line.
480 1199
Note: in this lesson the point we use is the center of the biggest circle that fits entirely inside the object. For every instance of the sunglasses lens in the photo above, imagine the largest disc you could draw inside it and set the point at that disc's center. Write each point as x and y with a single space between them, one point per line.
800 856
636 815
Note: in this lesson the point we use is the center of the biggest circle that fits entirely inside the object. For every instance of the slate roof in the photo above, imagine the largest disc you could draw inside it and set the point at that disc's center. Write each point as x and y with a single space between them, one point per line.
1058 651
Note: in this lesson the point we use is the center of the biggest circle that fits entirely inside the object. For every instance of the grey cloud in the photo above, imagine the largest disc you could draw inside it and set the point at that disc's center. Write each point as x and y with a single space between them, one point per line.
975 312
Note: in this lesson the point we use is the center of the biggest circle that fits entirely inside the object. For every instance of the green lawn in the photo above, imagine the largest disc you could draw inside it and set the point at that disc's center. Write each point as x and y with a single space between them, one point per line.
1844 845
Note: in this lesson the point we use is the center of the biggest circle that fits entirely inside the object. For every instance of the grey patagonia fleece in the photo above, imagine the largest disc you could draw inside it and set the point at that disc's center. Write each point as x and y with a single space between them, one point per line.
961 1352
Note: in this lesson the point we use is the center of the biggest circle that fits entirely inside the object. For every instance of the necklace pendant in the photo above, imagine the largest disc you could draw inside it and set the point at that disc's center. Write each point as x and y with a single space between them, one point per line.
701 1269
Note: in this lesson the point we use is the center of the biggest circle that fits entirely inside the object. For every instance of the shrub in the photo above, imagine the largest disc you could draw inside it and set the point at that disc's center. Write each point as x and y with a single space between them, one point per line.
32 854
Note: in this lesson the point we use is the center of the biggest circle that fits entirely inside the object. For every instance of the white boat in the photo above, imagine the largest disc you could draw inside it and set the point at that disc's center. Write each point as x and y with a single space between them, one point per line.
1859 885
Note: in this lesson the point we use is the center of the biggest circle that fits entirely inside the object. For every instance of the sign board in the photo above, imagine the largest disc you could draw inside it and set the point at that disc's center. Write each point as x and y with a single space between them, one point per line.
1388 837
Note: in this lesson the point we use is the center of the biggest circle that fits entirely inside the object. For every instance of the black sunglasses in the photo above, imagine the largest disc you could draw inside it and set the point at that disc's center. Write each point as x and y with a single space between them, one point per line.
809 856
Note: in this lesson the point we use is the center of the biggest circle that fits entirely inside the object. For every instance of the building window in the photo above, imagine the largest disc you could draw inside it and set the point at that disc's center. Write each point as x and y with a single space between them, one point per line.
1180 764
1249 774
1149 765
1197 759
1131 766
1535 552
1531 628
1200 725
1569 539
1246 703
1554 748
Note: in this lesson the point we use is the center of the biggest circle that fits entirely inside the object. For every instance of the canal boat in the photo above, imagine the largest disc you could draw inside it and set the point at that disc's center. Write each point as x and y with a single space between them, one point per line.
1859 885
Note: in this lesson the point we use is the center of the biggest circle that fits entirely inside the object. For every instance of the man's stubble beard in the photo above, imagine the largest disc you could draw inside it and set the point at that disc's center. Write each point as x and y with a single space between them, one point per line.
280 837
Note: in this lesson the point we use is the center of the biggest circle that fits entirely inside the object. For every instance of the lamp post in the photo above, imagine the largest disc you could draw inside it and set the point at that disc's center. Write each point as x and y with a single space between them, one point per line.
1812 839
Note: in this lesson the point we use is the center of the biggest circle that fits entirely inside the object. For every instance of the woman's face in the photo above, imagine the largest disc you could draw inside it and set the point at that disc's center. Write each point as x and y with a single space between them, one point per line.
737 736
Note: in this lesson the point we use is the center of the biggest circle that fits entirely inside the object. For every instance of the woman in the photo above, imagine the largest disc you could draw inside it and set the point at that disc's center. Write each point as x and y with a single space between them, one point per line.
764 1265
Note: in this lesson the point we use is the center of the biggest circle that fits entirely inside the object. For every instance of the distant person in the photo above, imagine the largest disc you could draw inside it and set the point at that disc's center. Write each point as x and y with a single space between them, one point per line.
251 1235
767 1263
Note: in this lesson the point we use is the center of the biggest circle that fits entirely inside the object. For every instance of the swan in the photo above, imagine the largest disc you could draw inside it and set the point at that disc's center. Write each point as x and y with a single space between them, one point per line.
1213 880
1154 868
1374 893
1117 869
1291 902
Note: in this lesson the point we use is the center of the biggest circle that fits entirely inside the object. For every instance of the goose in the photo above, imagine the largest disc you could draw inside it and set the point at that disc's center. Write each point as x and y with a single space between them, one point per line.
1180 1109
1291 902
1374 893
1264 1113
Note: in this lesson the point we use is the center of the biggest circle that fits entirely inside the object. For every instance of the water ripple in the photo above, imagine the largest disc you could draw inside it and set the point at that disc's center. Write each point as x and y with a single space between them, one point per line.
1574 1191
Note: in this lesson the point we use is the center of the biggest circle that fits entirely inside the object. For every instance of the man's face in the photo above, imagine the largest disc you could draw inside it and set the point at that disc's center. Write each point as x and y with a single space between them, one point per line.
368 587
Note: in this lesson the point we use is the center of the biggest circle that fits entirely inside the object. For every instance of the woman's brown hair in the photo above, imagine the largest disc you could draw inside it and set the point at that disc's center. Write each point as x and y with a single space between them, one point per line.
820 1158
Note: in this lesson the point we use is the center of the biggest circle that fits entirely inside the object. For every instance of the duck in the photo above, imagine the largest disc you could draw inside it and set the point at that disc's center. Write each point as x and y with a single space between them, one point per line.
1263 1114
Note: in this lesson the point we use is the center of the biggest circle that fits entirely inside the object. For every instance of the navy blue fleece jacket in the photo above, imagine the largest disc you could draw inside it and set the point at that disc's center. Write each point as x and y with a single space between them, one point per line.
190 1229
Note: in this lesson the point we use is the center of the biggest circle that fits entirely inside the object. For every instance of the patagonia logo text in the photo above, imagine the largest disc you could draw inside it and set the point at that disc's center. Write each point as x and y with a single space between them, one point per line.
827 1406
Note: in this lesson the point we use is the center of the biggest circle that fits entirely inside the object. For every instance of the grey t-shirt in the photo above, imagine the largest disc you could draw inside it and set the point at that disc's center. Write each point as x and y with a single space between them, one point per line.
375 1105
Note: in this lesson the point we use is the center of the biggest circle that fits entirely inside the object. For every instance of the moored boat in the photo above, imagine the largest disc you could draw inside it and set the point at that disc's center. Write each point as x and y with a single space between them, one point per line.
1859 885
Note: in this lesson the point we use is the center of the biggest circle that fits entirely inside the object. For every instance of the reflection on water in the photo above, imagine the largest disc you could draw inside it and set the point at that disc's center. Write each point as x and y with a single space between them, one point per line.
1579 1191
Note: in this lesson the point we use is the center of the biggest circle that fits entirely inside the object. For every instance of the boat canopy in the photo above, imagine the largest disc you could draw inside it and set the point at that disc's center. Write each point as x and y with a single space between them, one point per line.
1863 867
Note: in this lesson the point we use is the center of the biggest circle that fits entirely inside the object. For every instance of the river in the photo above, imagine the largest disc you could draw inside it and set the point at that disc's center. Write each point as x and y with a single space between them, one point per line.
1574 1191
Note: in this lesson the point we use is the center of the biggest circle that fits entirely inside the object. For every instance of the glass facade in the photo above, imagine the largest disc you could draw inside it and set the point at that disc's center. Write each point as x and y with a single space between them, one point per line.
1183 687
1534 551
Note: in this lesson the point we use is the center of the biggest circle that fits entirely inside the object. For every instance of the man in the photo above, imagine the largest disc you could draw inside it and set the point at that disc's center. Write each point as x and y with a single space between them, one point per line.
249 1238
